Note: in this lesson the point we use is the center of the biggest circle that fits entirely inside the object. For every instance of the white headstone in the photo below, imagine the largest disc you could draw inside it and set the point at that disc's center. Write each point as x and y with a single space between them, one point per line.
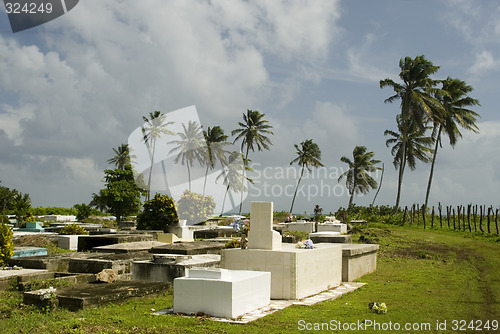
261 235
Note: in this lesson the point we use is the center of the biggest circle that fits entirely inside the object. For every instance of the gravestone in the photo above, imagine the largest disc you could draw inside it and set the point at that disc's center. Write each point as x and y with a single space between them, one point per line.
262 235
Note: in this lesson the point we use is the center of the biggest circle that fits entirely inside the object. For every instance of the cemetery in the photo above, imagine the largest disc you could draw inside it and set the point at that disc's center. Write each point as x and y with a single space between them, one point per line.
226 284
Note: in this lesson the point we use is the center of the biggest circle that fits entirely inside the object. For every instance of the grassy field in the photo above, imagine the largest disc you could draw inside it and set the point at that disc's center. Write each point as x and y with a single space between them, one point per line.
426 278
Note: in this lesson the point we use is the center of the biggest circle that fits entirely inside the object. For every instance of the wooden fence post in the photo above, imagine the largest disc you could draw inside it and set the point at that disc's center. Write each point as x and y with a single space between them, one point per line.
489 211
423 214
454 218
496 220
432 217
448 214
468 217
440 216
404 215
474 214
481 219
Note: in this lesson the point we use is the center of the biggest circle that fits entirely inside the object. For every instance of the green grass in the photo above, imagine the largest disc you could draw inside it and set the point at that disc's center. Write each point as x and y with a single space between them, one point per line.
422 276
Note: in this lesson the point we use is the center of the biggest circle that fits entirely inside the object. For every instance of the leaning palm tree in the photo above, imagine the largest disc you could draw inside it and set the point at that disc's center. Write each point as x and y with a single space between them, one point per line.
233 175
156 126
308 155
357 178
190 146
253 131
455 102
408 145
122 157
417 101
215 140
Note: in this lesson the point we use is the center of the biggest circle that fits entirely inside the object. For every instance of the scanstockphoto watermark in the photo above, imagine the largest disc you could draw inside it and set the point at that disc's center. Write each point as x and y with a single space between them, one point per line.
279 181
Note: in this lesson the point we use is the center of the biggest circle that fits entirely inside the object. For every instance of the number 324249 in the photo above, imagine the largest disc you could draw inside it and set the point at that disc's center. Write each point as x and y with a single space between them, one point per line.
28 8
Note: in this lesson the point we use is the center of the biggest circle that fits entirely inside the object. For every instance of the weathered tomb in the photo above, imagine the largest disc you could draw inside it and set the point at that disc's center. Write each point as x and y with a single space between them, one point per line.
189 248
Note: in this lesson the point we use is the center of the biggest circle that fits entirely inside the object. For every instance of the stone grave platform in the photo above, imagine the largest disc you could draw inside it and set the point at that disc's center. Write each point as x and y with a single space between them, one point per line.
54 262
189 248
215 233
330 237
95 263
298 226
295 273
83 296
26 251
358 260
32 227
87 242
167 267
10 276
128 247
25 282
332 227
221 292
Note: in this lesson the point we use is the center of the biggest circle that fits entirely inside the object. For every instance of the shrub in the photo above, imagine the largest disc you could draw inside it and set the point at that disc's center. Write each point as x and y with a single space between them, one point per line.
6 244
73 229
195 208
158 214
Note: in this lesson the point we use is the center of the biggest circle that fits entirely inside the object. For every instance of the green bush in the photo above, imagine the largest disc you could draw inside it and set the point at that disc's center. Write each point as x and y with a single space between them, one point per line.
158 214
6 244
72 229
195 208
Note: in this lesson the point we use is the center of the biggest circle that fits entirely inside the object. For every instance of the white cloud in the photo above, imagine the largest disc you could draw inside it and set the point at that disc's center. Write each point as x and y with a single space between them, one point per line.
484 62
11 119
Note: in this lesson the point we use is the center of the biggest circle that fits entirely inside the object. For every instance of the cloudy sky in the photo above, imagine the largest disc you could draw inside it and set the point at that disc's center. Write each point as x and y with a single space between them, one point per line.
74 88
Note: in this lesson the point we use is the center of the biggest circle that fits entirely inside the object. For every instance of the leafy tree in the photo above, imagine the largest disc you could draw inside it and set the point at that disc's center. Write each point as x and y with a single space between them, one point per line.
158 214
98 202
122 156
6 198
156 126
455 101
121 195
195 208
22 207
190 146
407 148
215 140
308 155
416 93
83 211
252 132
357 178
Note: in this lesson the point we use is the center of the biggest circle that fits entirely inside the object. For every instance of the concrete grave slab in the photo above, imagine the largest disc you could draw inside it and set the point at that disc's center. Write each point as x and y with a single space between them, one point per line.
128 247
95 263
189 248
358 260
167 267
87 242
26 251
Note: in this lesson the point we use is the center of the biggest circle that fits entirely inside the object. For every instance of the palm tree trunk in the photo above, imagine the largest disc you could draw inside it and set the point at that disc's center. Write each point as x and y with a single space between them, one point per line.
296 188
151 169
380 185
244 165
351 198
400 179
205 182
189 176
224 201
432 166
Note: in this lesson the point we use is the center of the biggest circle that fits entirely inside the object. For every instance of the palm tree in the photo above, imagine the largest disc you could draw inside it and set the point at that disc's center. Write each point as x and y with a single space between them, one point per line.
190 146
454 100
215 140
408 145
233 175
417 100
22 207
308 155
357 178
156 126
253 131
121 158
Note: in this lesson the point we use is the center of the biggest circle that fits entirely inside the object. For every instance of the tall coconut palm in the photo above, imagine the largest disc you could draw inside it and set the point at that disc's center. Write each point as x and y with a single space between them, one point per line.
455 101
357 178
408 145
22 207
417 100
308 155
233 175
156 126
190 146
122 157
215 140
253 131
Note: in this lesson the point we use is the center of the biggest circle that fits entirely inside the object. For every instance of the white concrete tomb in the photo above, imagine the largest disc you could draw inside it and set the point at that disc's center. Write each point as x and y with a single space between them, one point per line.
220 292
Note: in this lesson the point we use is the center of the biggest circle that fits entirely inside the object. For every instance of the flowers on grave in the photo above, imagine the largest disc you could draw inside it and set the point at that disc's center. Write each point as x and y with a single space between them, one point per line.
11 268
379 308
289 218
242 226
305 244
46 294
